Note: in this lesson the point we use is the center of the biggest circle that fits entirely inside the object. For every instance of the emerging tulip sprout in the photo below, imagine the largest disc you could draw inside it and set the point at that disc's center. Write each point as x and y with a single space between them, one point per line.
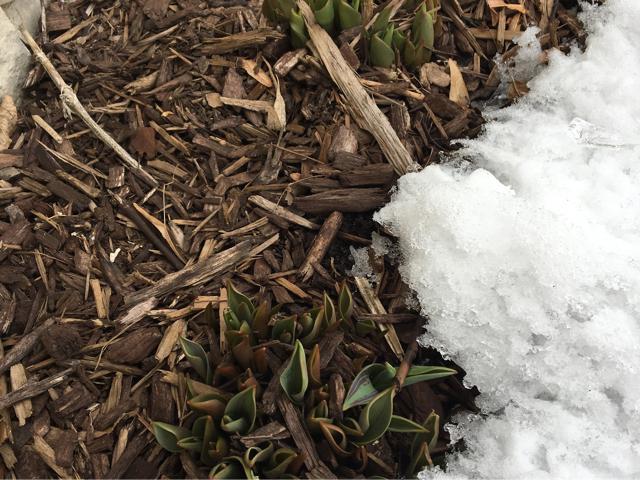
387 41
224 408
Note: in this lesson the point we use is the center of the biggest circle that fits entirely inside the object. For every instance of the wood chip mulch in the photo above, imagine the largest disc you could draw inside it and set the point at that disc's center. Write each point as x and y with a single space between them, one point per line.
101 269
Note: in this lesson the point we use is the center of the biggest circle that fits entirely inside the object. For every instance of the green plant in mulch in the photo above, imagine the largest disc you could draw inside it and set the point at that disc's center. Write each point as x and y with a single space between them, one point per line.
224 406
387 40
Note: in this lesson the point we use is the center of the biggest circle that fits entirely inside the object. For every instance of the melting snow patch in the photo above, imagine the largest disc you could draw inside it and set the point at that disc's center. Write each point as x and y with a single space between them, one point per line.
527 262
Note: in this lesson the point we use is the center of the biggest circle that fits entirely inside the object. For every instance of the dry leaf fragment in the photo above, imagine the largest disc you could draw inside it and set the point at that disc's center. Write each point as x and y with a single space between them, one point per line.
162 228
213 100
258 74
458 92
434 74
143 83
144 142
170 339
276 115
8 120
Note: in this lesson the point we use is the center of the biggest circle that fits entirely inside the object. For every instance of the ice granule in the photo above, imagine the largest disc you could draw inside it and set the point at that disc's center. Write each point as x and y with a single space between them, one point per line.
361 264
529 266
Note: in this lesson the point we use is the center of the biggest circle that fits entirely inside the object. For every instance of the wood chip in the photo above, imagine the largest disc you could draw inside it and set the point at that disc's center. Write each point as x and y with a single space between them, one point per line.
458 92
23 409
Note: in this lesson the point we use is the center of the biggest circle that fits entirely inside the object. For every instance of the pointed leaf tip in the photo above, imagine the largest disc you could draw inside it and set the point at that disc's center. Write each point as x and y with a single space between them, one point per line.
294 379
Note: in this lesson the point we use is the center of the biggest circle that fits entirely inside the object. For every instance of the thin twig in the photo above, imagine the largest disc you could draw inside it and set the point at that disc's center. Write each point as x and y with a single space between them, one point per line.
71 102
405 365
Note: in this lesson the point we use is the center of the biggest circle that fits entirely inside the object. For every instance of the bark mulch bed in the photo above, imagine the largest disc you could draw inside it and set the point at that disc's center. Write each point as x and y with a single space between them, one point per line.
104 266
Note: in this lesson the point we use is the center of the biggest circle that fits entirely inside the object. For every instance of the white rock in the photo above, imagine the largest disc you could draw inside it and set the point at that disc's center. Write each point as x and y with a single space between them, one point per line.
24 13
15 58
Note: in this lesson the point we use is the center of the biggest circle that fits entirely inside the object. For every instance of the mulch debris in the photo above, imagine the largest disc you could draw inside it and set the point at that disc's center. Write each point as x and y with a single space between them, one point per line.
102 268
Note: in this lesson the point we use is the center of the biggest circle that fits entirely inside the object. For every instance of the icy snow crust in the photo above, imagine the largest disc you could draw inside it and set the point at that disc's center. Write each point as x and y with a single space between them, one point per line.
529 266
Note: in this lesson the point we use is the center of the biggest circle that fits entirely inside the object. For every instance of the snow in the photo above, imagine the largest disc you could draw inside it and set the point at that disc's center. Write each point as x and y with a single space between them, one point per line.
524 251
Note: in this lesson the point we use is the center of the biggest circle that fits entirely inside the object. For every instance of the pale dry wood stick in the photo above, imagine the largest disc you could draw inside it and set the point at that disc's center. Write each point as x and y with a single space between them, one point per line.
362 106
375 306
18 377
33 389
71 103
193 274
24 346
282 212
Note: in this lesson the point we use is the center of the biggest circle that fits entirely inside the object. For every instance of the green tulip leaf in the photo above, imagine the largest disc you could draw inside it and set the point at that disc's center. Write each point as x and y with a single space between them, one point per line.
280 462
294 379
198 388
336 437
399 40
368 326
240 413
325 14
243 352
215 451
422 27
239 304
348 14
299 37
432 430
422 443
319 413
261 316
345 304
362 389
423 373
310 336
376 417
169 435
258 453
313 367
422 36
351 427
231 321
329 312
410 54
384 377
404 425
192 444
277 10
381 53
231 468
284 330
197 358
381 22
209 403
204 428
420 459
